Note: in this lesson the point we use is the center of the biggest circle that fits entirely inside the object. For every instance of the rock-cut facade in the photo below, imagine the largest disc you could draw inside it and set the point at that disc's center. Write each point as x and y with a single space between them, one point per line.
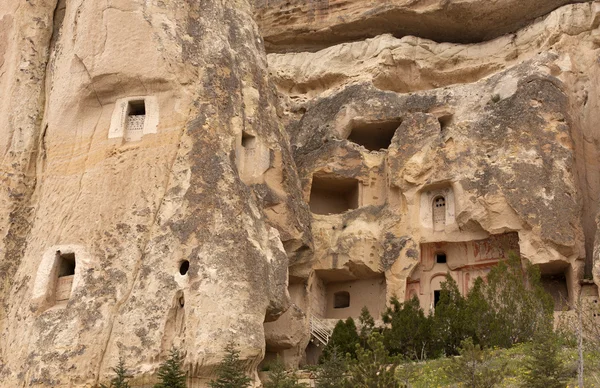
186 174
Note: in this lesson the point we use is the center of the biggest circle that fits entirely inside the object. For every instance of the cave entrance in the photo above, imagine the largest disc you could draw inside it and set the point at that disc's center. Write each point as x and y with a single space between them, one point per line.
555 281
333 195
374 136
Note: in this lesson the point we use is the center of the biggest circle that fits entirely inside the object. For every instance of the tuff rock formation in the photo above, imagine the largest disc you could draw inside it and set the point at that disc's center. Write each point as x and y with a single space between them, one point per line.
472 137
137 136
171 179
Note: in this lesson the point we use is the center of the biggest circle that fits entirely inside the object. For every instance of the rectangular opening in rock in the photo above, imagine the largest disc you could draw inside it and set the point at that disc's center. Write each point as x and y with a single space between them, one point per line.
554 281
343 297
445 121
248 140
66 272
333 195
136 117
440 258
374 135
137 108
341 300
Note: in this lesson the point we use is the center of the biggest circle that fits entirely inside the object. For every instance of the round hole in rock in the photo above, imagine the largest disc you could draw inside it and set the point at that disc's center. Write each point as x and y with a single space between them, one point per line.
184 267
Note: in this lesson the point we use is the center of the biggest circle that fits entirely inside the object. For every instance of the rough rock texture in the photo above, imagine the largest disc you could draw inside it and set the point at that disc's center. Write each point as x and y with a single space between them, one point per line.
505 128
132 211
301 25
379 145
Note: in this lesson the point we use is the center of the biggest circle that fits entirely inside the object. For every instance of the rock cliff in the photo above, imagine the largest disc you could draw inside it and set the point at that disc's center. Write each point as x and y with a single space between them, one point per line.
466 129
189 173
144 164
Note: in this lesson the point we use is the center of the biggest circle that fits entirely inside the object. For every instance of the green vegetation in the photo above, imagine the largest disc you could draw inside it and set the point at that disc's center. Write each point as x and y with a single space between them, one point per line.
367 325
518 305
230 373
170 373
408 332
344 337
475 367
544 366
512 363
279 378
373 367
120 380
332 373
509 308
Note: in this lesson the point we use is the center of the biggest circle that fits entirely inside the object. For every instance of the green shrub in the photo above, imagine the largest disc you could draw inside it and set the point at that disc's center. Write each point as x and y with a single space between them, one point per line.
409 331
170 373
279 378
344 337
373 367
450 322
332 373
367 325
120 380
229 372
474 368
519 307
544 367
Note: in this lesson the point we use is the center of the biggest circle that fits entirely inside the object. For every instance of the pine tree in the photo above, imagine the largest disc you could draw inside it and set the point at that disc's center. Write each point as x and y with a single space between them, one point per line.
450 319
120 380
480 322
229 373
332 373
279 378
170 373
373 367
344 337
367 325
474 368
408 332
544 367
519 304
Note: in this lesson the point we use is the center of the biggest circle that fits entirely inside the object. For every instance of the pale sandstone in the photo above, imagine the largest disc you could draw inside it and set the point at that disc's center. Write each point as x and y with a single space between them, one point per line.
494 126
302 25
131 207
503 129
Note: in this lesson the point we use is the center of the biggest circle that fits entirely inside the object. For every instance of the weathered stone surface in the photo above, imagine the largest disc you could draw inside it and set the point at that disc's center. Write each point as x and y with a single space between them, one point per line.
139 137
132 211
302 25
503 129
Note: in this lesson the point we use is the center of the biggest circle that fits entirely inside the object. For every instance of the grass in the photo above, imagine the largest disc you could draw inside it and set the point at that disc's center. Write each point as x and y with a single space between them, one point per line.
434 373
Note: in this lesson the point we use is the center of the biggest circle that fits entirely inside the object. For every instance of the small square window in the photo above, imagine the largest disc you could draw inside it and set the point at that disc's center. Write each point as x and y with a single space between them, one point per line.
136 108
66 264
248 140
440 258
341 300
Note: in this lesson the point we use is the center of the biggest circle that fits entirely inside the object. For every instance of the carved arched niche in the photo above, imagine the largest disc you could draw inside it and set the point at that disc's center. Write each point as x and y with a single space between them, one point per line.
437 208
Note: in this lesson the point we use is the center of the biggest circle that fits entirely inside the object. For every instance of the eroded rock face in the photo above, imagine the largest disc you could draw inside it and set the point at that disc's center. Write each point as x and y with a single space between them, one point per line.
447 157
157 192
302 25
140 138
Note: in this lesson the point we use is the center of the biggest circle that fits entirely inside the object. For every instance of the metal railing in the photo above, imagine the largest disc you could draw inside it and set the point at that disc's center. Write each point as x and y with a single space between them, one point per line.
319 330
